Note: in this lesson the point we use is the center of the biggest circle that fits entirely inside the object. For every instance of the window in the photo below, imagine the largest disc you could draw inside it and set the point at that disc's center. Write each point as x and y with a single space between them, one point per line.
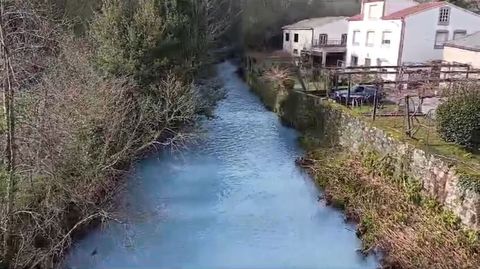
287 37
344 39
386 38
323 39
459 34
356 37
374 12
368 62
354 60
295 51
295 38
444 17
370 38
440 38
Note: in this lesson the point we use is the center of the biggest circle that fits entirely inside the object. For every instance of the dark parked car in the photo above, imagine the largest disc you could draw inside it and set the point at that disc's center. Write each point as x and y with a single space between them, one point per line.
365 93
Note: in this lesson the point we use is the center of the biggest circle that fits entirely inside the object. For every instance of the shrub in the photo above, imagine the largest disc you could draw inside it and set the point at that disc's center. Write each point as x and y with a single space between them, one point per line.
458 119
79 132
289 83
127 38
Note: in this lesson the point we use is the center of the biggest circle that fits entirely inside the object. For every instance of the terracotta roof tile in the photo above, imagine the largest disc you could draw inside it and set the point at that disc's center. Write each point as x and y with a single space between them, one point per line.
412 10
400 14
357 17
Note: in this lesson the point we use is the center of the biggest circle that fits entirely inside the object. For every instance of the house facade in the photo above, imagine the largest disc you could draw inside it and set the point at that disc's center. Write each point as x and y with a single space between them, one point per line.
394 32
319 37
464 50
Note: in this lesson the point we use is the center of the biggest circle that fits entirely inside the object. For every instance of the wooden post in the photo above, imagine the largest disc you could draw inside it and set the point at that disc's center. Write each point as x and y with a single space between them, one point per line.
397 78
375 102
7 84
408 126
449 76
300 78
336 77
349 91
400 72
325 76
310 59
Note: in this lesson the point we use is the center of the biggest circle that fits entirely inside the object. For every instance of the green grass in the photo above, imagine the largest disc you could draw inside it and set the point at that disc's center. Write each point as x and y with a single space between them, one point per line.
428 139
369 109
425 137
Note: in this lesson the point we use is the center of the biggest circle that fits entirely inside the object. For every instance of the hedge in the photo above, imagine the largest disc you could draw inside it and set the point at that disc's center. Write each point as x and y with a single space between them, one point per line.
458 118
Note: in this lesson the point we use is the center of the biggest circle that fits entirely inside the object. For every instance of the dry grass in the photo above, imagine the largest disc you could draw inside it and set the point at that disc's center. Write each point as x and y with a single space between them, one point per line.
410 230
277 73
77 134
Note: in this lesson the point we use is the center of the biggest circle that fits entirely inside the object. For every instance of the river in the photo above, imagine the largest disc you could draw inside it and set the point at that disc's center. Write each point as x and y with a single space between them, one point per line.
234 201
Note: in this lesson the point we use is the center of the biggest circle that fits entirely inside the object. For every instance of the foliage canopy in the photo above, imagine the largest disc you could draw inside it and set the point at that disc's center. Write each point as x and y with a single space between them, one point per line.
458 119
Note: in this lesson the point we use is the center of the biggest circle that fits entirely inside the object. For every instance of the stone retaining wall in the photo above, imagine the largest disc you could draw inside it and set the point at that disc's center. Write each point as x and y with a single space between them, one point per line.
334 124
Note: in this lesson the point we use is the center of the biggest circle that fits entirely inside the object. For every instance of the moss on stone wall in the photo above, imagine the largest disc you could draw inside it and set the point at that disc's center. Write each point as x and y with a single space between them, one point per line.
270 93
394 216
469 180
330 124
397 193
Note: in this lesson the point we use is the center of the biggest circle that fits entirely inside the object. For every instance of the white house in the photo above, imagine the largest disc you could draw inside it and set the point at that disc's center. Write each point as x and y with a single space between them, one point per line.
393 32
322 37
464 50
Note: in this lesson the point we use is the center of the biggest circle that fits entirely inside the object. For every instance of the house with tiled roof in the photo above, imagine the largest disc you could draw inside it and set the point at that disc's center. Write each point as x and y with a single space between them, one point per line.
324 39
464 50
394 32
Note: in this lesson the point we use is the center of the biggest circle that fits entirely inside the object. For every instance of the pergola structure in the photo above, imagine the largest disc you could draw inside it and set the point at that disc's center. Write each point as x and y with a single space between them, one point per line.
400 82
329 52
403 77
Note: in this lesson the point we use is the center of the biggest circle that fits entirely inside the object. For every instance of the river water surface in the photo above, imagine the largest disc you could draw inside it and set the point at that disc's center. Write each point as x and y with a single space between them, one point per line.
234 201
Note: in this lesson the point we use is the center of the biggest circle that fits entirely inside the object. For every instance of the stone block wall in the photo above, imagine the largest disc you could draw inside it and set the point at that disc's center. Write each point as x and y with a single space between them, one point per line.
438 177
332 123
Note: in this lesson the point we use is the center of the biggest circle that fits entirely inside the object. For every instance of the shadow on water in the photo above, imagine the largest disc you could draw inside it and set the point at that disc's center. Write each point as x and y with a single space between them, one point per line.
235 200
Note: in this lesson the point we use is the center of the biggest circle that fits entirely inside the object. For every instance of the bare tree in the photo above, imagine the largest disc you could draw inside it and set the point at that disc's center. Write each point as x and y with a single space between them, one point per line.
24 40
219 15
8 105
71 133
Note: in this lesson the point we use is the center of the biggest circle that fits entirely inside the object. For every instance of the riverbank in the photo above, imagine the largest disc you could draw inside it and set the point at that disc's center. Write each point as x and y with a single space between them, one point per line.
394 218
227 192
82 107
409 204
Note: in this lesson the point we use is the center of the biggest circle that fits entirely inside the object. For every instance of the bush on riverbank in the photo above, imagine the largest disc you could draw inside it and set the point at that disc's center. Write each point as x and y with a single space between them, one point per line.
76 127
267 91
79 132
458 118
410 230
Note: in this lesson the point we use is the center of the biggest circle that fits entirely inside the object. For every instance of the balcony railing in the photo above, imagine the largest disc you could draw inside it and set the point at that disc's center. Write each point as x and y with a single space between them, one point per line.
329 43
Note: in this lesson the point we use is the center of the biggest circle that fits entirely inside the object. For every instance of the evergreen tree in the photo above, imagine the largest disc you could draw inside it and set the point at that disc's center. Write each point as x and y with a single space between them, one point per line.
147 38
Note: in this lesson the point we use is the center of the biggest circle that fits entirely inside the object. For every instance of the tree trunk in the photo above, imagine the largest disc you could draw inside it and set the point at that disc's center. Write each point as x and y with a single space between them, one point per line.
8 104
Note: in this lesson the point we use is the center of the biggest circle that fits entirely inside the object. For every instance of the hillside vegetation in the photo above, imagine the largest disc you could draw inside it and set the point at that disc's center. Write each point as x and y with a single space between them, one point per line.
262 20
80 106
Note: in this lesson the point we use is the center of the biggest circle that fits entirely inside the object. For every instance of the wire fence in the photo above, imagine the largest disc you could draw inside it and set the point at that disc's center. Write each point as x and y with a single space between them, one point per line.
400 99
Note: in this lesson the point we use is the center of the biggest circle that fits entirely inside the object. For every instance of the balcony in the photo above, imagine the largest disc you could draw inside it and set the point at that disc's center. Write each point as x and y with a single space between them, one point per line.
329 43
